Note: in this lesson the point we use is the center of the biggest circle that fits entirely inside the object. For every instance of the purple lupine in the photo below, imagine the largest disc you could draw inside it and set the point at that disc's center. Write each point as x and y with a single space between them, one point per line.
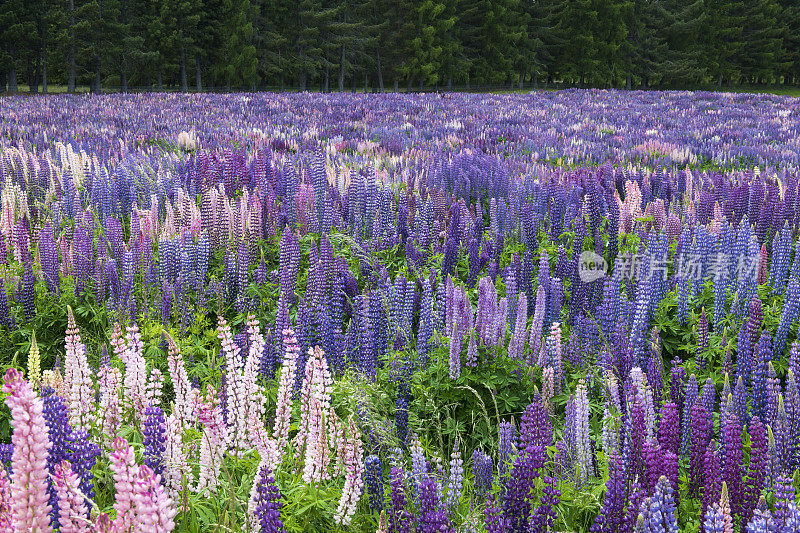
482 472
524 473
535 425
496 521
544 516
702 340
740 405
756 471
791 308
432 516
154 430
374 477
658 512
400 518
691 396
507 444
732 460
267 512
56 417
701 425
27 293
760 373
82 454
611 513
784 497
669 434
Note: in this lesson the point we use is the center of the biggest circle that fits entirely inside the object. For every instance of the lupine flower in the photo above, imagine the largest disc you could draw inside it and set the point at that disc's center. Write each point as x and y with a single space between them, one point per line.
353 481
456 479
154 429
29 509
400 518
374 478
432 516
265 502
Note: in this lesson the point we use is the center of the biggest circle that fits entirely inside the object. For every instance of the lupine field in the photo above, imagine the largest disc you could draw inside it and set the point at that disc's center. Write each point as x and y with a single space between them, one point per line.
565 311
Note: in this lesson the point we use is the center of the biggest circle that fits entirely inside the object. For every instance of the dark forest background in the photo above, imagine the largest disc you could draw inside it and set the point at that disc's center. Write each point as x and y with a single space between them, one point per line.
388 44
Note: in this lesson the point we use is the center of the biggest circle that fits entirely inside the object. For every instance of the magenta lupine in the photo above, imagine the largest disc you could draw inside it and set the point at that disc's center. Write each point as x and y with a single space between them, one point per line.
30 510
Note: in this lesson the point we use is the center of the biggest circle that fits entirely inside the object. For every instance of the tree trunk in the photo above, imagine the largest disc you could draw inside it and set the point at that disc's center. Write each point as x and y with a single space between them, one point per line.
159 81
2 81
521 79
410 81
396 85
44 69
719 81
184 84
123 78
71 79
327 78
98 48
198 75
280 86
628 82
12 77
341 70
380 69
450 82
366 81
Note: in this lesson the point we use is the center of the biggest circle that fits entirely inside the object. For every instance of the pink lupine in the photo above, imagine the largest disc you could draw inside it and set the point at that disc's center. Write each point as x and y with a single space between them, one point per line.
154 512
77 376
212 444
135 380
29 508
118 340
235 391
255 401
283 411
123 464
110 406
354 476
153 389
315 401
5 503
72 509
185 395
176 464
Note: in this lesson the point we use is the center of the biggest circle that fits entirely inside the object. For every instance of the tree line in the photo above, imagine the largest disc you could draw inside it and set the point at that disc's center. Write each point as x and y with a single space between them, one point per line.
382 44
